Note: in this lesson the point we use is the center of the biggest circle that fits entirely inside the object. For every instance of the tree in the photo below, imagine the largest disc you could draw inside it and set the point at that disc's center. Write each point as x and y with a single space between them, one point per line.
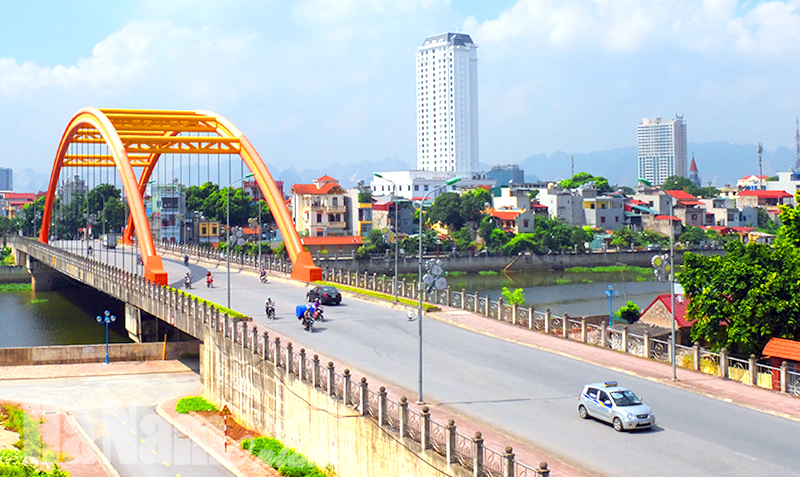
678 183
514 297
629 312
693 235
454 210
581 178
627 191
462 238
789 231
623 238
196 196
707 192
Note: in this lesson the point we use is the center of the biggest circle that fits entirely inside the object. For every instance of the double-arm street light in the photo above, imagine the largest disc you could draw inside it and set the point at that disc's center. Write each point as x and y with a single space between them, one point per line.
106 318
447 183
228 226
396 230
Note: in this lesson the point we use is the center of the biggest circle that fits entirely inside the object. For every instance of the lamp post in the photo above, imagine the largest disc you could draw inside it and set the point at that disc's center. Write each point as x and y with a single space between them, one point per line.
449 182
394 189
106 318
228 226
672 284
611 294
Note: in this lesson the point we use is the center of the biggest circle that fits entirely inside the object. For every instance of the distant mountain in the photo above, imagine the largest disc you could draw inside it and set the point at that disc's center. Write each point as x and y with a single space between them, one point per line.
718 163
28 180
347 174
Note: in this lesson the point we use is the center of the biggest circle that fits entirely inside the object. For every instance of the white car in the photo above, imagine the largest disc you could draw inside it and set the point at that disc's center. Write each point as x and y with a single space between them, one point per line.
616 405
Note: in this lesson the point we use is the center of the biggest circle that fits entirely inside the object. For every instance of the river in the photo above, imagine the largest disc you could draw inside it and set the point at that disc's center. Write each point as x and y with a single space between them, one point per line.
63 317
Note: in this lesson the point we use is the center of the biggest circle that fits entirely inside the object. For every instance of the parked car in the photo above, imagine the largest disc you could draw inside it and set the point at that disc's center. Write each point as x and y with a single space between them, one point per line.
616 405
327 295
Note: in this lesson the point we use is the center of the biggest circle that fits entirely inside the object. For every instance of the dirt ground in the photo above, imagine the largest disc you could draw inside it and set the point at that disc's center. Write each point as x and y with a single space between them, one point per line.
235 431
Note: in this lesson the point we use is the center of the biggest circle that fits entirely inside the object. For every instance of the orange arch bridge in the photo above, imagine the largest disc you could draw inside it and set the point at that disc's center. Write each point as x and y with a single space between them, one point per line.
138 138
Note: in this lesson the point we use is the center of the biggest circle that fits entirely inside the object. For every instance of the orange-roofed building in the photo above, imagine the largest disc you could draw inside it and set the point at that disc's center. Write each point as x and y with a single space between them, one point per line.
318 209
344 245
779 350
514 220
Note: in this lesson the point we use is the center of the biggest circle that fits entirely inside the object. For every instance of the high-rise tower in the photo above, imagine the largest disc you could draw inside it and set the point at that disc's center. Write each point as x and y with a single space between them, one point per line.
662 149
447 103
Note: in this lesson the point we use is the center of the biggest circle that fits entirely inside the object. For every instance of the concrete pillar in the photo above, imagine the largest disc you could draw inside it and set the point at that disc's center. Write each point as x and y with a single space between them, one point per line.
547 321
331 391
315 372
477 455
604 334
486 310
646 345
514 314
403 417
301 372
542 471
565 327
133 322
625 339
752 370
508 462
425 431
255 340
723 363
363 398
276 357
583 329
244 335
450 453
696 356
346 391
463 299
265 351
784 374
382 406
530 317
289 357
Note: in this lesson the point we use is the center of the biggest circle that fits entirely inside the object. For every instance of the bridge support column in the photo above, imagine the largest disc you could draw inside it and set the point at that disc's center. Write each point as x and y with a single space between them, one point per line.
133 322
43 278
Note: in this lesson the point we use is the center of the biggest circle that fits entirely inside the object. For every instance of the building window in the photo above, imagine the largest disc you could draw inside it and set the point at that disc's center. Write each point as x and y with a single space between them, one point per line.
426 188
416 188
602 220
335 201
616 219
319 217
525 223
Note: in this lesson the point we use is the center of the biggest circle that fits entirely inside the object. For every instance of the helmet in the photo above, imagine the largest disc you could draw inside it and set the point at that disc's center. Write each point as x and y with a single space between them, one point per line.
269 298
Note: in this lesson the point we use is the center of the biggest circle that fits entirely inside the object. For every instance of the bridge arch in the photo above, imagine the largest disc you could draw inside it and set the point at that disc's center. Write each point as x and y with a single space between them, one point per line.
138 138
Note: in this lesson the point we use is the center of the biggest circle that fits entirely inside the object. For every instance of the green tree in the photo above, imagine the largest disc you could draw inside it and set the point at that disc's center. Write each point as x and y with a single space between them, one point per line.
581 178
707 192
197 195
627 191
462 238
679 183
7 225
789 230
514 297
629 312
623 238
693 235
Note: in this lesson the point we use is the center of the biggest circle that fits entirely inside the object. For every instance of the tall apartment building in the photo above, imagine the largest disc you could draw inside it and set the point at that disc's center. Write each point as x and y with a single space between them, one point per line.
447 104
662 149
6 179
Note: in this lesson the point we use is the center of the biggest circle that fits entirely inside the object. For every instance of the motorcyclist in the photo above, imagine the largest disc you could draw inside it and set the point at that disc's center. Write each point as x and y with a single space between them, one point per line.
317 308
269 307
209 278
186 260
263 274
187 280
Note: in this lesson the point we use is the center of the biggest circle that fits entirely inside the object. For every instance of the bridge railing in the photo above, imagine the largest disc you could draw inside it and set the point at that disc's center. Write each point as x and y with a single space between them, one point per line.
588 330
196 317
271 262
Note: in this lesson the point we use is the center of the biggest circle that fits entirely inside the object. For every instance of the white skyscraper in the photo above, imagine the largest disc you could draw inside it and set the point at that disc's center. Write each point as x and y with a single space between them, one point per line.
447 104
662 149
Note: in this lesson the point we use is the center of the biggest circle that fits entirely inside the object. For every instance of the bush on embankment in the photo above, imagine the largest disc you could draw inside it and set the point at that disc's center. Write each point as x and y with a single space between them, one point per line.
285 460
194 404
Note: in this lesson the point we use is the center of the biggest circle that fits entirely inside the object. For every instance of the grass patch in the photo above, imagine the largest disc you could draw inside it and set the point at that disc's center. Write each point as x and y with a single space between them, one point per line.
40 300
222 309
194 404
640 278
563 281
15 419
383 296
286 461
456 274
609 269
586 280
14 463
487 272
15 287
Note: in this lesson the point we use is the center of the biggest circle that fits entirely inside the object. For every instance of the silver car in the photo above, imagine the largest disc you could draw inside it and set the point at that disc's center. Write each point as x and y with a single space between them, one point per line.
614 404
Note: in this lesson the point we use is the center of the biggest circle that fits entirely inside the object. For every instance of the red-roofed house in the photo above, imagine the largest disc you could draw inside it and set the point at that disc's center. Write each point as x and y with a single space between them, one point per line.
332 245
319 209
691 211
779 350
659 313
767 199
14 202
751 182
514 220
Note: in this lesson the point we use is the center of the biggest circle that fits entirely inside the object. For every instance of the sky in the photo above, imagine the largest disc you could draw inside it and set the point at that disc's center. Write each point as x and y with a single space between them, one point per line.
324 82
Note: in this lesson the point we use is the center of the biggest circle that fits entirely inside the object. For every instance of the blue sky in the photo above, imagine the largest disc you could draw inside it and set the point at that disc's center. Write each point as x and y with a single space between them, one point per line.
332 81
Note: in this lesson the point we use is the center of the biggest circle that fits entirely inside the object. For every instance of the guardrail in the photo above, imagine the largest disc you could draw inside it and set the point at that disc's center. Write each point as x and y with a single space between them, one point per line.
748 371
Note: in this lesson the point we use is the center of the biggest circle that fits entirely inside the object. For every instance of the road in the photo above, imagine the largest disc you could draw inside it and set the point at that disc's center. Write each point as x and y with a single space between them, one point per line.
119 413
524 392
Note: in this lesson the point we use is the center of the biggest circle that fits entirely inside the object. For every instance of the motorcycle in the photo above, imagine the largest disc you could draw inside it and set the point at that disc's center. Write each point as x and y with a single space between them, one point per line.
264 278
308 322
186 260
318 315
187 282
210 282
270 312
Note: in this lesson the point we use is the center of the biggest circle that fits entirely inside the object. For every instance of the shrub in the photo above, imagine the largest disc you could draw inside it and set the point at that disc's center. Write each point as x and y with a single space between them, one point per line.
514 297
487 272
30 440
629 312
194 403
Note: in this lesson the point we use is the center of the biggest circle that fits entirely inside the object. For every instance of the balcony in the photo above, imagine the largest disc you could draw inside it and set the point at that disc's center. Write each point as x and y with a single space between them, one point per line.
337 225
333 209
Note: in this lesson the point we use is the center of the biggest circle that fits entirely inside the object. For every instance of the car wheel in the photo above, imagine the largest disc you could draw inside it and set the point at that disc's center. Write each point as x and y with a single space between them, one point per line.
618 424
582 412
308 297
338 301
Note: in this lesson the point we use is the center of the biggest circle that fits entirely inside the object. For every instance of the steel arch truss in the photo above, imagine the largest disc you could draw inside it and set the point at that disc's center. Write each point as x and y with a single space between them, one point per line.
138 138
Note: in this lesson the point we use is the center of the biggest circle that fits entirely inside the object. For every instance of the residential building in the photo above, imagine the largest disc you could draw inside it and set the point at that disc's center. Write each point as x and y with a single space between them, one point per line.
514 221
511 198
604 212
415 184
659 313
662 149
752 182
447 103
358 216
563 203
318 209
787 181
383 213
724 213
70 188
12 203
769 200
168 215
6 179
505 174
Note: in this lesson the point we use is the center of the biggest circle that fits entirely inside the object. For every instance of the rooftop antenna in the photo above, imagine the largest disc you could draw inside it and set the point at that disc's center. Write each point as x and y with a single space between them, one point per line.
572 165
797 140
760 175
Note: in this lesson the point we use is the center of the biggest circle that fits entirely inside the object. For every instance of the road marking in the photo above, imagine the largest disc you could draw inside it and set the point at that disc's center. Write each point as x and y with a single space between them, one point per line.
153 451
143 442
133 432
165 463
123 423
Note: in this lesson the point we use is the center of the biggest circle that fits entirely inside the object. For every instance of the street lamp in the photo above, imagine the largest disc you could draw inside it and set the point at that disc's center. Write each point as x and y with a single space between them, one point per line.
396 241
611 294
672 280
228 226
449 182
106 318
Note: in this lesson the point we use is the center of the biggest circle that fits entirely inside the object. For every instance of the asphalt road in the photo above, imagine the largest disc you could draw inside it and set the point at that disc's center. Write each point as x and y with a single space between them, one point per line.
119 413
525 392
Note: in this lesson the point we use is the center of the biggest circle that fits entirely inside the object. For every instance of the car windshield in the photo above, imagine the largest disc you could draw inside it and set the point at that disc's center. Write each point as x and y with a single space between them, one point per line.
328 290
625 398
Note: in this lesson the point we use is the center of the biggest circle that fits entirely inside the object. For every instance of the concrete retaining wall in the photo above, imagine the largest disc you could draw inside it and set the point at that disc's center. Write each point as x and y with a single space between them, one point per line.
15 274
96 353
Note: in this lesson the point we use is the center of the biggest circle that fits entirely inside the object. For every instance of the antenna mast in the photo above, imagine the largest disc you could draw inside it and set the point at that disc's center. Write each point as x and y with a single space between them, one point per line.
797 140
572 161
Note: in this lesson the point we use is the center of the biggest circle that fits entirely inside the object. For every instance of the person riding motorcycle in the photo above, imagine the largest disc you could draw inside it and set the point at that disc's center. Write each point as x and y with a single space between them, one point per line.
263 275
317 309
186 260
305 315
187 280
209 279
269 307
